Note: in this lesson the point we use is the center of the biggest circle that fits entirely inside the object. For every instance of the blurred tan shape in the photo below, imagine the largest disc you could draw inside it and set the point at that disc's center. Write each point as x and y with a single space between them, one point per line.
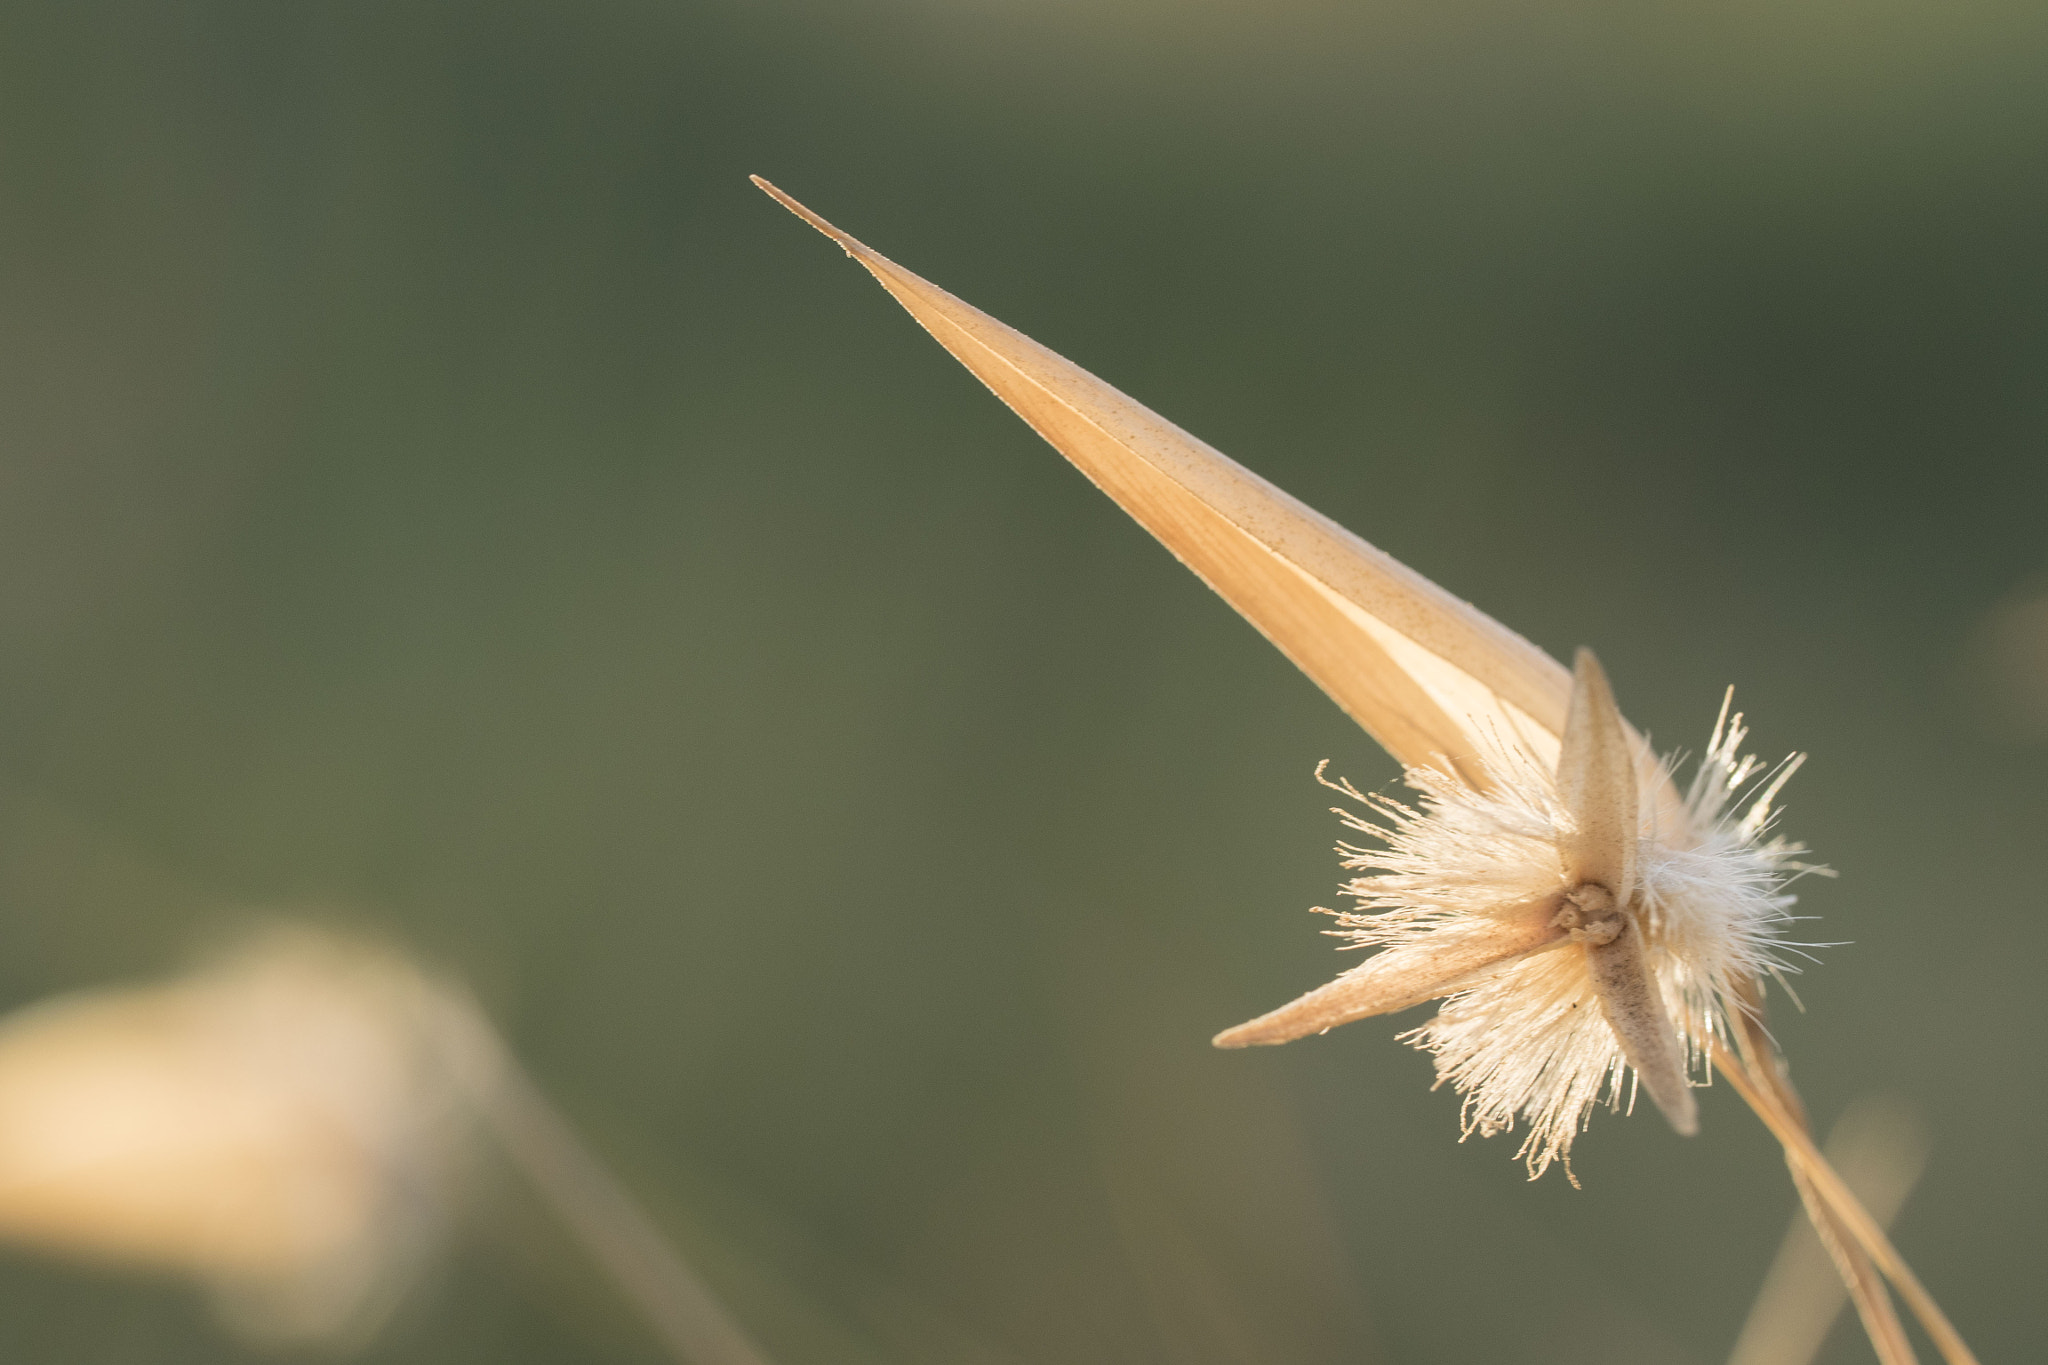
278 1126
1880 1148
2005 668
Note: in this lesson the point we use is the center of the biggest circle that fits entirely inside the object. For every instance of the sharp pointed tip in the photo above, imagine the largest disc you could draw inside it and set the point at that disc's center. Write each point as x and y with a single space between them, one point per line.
1232 1038
768 188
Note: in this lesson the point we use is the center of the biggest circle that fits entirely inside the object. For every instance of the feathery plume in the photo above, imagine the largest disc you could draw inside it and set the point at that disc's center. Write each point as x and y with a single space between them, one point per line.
1576 938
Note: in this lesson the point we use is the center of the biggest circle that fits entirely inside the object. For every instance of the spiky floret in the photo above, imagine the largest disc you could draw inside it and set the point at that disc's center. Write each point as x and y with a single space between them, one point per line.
1526 1042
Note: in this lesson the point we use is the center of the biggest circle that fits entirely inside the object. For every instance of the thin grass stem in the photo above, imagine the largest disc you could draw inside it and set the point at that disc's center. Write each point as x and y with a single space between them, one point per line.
1845 1210
1877 1150
1859 1276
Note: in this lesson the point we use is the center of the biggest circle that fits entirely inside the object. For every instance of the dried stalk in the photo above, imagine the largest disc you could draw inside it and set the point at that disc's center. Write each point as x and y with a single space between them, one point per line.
1866 1287
1844 1211
1877 1150
1859 1275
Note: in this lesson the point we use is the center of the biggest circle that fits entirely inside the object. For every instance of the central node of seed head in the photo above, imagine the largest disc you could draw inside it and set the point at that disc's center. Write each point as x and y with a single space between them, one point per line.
1590 915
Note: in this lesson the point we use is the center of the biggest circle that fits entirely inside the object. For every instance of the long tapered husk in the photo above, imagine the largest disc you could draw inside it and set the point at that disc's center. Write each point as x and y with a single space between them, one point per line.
1435 680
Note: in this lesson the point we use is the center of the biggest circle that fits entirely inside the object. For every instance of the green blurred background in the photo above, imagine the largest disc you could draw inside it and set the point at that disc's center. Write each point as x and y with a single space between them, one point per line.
440 496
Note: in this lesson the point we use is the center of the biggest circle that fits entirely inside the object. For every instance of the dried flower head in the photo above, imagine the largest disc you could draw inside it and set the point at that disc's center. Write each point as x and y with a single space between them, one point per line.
1468 894
1586 919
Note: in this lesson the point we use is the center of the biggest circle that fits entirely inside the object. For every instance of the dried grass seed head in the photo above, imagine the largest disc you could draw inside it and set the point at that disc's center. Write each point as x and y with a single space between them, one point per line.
1551 864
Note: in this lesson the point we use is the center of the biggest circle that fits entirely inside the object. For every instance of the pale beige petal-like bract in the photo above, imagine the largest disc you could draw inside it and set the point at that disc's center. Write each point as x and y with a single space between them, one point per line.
1399 978
1596 782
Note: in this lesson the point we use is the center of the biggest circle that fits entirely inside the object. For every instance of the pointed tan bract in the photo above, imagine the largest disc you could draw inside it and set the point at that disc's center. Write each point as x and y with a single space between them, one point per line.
1393 981
1596 785
1635 1010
